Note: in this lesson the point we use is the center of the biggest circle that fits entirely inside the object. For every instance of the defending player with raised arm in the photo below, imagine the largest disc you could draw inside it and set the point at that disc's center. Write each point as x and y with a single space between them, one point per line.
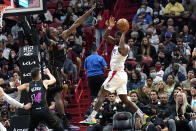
117 78
77 23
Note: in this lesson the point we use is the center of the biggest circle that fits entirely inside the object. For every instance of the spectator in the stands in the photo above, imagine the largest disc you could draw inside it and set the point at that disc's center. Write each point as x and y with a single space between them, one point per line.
184 52
134 98
161 88
4 73
69 69
157 16
169 45
188 6
13 59
134 50
178 72
165 112
147 89
182 117
109 110
187 37
164 58
154 97
140 69
2 35
148 10
170 85
169 22
59 12
186 20
153 37
134 81
12 110
187 83
102 16
159 69
175 6
142 19
154 76
148 51
11 43
192 123
15 29
95 66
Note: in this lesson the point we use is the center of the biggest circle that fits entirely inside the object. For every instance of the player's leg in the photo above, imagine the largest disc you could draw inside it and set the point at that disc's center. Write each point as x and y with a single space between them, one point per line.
110 85
59 103
101 96
122 93
34 122
52 120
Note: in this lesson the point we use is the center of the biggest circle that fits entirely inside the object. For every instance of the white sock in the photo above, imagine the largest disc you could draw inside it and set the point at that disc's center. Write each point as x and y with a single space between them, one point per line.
140 113
93 114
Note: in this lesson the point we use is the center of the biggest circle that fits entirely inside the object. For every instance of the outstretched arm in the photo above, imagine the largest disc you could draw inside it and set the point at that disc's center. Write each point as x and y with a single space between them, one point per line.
122 47
19 88
10 100
51 77
107 35
77 23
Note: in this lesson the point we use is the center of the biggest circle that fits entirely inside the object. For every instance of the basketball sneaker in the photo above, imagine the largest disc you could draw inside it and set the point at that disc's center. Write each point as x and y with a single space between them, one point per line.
89 121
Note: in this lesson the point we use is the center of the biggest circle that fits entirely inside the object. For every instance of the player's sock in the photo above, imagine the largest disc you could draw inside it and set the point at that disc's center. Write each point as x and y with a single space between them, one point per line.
143 116
140 113
93 114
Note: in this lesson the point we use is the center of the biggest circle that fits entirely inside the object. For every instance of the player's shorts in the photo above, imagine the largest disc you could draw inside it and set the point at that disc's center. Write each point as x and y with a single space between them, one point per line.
116 81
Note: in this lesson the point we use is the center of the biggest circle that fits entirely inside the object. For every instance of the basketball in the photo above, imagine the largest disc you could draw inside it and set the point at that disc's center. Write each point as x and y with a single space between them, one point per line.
123 24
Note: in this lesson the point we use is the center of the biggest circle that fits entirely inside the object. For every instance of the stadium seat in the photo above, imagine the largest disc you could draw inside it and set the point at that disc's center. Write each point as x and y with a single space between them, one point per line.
123 121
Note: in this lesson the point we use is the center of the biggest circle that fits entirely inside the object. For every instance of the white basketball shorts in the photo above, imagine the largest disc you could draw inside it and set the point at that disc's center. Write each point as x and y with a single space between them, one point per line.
116 81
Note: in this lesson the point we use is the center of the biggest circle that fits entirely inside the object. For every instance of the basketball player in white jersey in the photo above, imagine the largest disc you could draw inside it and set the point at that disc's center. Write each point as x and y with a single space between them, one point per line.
117 77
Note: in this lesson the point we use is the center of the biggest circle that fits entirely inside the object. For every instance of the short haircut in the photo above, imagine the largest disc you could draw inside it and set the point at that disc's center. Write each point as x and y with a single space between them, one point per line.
93 48
34 73
133 92
154 91
149 78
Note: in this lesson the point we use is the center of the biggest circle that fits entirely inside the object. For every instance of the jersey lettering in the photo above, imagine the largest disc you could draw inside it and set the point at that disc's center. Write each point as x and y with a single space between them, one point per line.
36 98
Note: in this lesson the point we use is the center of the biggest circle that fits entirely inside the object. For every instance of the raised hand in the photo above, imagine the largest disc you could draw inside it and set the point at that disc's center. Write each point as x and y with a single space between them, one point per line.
112 22
46 71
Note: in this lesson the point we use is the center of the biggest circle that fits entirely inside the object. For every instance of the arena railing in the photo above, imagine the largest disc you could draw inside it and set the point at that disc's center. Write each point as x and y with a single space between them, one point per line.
78 94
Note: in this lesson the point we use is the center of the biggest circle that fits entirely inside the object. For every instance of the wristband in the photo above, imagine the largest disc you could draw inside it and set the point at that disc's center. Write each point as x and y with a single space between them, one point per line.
12 90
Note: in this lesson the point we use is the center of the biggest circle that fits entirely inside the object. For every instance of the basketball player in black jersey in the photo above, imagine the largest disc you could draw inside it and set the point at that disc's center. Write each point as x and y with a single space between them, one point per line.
37 100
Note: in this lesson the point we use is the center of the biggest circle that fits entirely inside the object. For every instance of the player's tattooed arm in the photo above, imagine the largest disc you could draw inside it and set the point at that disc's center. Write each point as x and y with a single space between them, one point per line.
77 23
51 80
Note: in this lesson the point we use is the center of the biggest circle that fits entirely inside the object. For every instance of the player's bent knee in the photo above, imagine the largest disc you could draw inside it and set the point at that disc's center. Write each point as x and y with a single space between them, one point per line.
123 98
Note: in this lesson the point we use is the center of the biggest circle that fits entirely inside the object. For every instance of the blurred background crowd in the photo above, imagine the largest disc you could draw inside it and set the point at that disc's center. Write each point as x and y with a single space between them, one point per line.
161 63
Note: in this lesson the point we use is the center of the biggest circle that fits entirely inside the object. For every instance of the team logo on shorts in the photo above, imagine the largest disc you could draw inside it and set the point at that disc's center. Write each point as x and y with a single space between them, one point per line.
107 86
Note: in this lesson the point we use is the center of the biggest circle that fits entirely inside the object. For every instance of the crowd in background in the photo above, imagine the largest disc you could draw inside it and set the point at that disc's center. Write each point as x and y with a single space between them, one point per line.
161 63
160 66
